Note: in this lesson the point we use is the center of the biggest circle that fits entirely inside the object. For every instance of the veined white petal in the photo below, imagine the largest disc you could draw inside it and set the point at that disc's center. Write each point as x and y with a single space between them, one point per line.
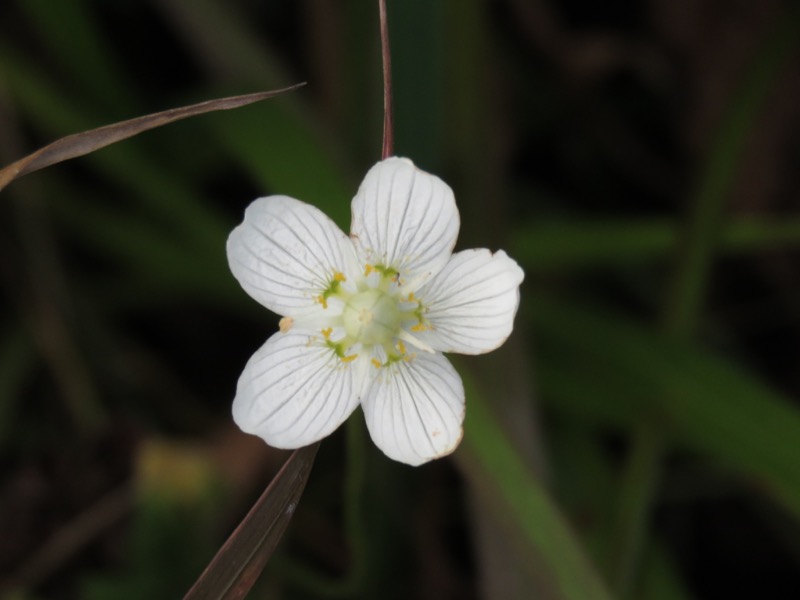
286 253
295 391
404 218
415 409
471 302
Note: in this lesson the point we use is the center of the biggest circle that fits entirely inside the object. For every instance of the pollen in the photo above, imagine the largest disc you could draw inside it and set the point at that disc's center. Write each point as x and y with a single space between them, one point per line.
322 300
351 358
401 347
377 363
339 276
286 324
326 333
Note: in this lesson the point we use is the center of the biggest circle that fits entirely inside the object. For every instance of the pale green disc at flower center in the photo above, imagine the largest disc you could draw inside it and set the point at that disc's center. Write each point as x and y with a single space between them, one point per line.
371 317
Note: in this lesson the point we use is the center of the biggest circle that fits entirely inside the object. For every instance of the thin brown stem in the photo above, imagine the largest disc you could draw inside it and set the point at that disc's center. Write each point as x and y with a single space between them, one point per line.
388 118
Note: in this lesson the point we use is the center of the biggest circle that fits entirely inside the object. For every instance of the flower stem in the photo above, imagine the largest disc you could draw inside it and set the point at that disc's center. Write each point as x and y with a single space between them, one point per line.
388 116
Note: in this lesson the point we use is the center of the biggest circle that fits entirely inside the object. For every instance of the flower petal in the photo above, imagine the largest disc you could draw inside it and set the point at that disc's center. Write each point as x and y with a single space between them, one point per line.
285 253
415 409
406 219
295 391
472 302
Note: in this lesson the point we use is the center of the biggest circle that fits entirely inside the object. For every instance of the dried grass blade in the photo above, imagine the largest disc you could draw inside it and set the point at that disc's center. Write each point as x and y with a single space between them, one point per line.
237 565
83 143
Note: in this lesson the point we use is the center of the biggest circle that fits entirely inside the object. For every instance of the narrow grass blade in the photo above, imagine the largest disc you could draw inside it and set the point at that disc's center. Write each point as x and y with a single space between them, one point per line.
86 142
551 244
705 402
239 562
535 527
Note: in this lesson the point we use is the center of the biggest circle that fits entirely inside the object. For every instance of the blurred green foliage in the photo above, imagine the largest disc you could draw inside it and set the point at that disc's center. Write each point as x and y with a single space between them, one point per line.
177 498
637 437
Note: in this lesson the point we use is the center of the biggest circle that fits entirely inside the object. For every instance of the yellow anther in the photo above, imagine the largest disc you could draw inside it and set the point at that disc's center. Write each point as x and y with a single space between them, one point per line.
351 358
419 327
377 363
339 276
409 357
326 333
368 269
286 324
411 297
322 300
401 346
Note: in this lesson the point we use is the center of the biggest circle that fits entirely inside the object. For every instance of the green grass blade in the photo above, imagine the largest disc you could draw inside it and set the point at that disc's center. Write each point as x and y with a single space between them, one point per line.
706 205
707 403
283 149
501 481
558 244
285 154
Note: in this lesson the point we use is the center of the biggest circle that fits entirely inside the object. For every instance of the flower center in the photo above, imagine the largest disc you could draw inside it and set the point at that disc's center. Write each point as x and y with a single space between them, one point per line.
371 317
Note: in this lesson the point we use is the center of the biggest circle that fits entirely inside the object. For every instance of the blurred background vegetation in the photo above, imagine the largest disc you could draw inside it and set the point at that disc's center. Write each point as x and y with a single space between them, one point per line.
637 437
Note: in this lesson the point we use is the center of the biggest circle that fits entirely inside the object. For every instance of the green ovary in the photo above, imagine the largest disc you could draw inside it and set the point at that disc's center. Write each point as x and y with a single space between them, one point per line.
372 317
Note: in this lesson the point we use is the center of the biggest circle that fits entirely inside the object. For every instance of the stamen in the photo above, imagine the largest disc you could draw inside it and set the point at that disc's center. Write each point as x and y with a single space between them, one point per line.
333 289
420 327
387 272
351 358
286 324
326 333
404 335
377 363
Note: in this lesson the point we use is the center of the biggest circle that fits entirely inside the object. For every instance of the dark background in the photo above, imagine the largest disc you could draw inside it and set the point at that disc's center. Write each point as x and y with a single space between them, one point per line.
638 159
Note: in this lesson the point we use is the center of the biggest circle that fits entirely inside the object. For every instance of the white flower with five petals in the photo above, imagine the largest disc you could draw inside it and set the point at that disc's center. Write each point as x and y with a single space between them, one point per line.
367 317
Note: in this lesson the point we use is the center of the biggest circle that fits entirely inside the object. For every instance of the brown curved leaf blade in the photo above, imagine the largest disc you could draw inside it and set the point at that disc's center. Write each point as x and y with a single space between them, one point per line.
237 565
83 143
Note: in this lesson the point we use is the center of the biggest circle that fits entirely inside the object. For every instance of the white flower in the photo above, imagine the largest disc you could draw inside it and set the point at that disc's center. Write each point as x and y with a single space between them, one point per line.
367 317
